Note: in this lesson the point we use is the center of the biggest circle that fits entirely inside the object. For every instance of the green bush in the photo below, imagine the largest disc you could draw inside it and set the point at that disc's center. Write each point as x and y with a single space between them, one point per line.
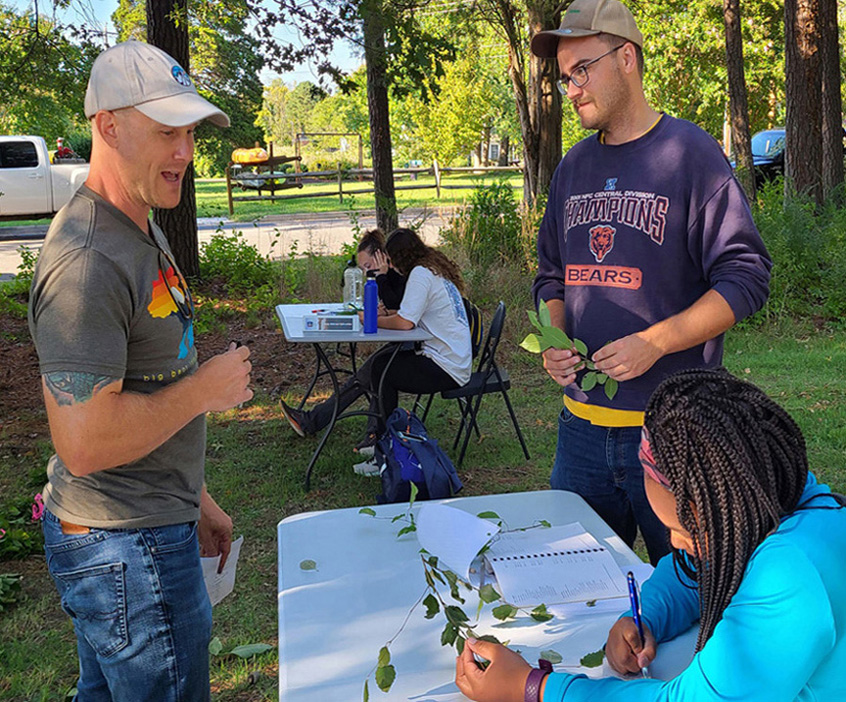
19 535
237 264
490 229
806 243
14 294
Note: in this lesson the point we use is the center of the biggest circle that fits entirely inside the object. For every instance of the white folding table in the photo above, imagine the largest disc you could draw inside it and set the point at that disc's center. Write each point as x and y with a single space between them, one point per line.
334 618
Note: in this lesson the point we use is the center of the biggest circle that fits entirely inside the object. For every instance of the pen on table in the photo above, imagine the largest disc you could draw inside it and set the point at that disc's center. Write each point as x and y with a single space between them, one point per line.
634 599
317 311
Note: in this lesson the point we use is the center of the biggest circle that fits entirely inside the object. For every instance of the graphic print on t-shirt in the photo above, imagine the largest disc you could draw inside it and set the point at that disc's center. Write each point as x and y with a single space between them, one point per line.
167 289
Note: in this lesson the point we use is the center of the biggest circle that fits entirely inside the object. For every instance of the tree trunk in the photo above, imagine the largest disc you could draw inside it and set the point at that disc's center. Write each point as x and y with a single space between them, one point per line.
377 103
179 224
803 136
832 128
741 140
545 100
504 146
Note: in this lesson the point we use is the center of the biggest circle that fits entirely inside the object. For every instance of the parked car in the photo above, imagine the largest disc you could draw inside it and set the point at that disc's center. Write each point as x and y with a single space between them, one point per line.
768 154
30 185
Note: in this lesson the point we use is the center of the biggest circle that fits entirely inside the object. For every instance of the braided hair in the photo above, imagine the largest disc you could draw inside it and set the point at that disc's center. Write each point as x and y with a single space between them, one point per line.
736 463
408 250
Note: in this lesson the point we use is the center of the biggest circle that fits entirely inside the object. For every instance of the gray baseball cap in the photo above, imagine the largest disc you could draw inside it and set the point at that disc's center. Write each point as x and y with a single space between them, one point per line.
585 18
139 75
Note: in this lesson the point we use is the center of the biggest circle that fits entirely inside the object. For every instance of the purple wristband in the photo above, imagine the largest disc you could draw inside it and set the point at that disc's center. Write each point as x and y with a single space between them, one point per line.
535 680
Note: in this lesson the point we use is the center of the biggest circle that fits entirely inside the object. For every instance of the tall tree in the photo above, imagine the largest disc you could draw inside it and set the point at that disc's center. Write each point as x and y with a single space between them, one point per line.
372 13
738 106
167 28
832 106
803 135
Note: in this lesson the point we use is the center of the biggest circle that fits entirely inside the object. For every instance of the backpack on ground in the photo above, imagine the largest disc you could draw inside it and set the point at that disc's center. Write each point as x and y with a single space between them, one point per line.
406 454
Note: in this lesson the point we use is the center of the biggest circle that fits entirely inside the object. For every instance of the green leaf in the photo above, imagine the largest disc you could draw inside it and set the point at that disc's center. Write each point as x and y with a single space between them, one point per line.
437 576
406 529
250 650
432 606
489 515
489 637
366 696
397 518
601 378
448 635
551 656
385 677
592 660
367 510
545 524
539 614
505 611
533 318
488 594
455 615
581 347
215 647
556 338
308 565
543 314
590 603
459 644
610 388
532 343
414 491
384 657
433 561
589 381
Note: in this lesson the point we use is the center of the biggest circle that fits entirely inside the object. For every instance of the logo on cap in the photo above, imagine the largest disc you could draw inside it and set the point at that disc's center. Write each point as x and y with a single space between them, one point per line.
181 76
566 31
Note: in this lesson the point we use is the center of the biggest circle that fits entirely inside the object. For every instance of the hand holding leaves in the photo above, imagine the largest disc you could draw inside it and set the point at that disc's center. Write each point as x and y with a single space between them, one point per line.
550 336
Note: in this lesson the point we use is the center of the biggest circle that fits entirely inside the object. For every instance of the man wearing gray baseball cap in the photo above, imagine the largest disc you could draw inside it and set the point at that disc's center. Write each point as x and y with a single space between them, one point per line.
647 253
127 511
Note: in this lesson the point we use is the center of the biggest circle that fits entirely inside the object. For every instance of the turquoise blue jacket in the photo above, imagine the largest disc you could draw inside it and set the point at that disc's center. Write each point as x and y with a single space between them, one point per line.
782 637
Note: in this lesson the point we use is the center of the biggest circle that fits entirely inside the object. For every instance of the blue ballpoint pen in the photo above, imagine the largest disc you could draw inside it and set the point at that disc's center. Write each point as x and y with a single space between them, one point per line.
634 599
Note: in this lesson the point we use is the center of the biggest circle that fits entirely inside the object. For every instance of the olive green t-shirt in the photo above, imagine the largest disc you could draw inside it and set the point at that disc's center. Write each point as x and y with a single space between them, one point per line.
107 299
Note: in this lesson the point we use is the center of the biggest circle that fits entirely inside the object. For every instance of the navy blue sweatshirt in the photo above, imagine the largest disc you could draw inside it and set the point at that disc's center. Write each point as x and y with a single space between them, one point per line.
637 232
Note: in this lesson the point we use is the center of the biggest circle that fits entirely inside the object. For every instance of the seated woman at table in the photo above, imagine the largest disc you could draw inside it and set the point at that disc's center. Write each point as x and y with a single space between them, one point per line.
432 300
758 560
372 255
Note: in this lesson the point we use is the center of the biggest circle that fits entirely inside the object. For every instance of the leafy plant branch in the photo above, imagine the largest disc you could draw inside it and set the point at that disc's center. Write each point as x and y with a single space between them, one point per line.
551 337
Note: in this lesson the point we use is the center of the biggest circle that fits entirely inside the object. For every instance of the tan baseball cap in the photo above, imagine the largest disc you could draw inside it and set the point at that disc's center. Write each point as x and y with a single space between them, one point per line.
587 17
139 75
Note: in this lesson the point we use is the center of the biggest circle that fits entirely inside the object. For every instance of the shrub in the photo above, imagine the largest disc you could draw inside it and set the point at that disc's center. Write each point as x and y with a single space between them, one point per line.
807 247
239 265
493 228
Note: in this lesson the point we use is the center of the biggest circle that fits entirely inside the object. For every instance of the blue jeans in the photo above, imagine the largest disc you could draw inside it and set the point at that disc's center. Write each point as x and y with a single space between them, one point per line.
140 611
601 465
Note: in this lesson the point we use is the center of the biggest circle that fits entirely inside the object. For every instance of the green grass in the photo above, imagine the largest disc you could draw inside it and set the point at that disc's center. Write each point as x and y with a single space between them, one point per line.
212 202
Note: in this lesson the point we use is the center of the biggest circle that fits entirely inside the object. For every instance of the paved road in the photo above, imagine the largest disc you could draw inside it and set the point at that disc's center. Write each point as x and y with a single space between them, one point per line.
319 233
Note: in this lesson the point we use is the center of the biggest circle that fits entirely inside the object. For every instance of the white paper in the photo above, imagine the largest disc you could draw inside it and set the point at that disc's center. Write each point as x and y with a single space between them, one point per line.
453 535
554 565
219 585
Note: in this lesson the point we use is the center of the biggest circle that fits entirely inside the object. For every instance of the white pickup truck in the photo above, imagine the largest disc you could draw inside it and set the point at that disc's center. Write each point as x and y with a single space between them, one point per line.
30 186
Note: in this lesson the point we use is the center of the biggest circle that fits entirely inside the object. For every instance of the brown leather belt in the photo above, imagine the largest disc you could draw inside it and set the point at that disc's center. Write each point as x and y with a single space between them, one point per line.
68 528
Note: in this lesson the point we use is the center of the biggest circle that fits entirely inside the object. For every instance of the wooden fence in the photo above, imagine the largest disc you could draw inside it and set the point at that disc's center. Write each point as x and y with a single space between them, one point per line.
273 181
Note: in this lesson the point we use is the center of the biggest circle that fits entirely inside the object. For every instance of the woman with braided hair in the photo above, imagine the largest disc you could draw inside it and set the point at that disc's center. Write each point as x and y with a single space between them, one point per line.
759 549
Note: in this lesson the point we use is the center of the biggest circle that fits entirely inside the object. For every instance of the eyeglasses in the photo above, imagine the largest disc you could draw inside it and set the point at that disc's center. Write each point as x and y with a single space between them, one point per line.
579 77
181 295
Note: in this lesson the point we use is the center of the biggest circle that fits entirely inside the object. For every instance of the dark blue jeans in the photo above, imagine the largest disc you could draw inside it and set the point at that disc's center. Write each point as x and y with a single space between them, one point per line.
601 465
140 611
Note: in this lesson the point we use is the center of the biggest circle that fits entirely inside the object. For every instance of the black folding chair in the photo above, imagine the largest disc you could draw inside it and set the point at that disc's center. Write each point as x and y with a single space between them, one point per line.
488 378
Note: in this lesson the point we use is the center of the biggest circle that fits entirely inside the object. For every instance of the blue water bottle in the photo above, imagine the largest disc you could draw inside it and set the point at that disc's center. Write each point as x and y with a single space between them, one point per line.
371 303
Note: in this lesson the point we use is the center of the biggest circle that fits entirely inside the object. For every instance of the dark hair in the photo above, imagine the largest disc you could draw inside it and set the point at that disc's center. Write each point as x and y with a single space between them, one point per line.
736 464
612 40
372 241
408 250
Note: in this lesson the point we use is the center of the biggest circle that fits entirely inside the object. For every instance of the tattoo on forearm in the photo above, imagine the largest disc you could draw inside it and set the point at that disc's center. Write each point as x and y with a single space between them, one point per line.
69 387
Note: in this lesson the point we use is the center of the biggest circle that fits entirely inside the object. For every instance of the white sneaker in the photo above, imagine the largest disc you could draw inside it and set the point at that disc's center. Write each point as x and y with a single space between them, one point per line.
368 468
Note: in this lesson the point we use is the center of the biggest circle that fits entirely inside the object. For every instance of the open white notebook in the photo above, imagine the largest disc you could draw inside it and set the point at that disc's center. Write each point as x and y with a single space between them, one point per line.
553 566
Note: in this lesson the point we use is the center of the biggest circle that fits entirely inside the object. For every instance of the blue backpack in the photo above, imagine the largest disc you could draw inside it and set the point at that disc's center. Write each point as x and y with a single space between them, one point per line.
407 455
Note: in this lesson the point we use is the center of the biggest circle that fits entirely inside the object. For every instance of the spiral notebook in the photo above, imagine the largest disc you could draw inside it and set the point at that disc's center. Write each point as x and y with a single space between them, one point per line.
553 566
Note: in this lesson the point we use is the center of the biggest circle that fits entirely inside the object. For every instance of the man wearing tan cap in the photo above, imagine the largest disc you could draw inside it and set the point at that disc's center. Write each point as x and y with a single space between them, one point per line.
647 253
111 315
